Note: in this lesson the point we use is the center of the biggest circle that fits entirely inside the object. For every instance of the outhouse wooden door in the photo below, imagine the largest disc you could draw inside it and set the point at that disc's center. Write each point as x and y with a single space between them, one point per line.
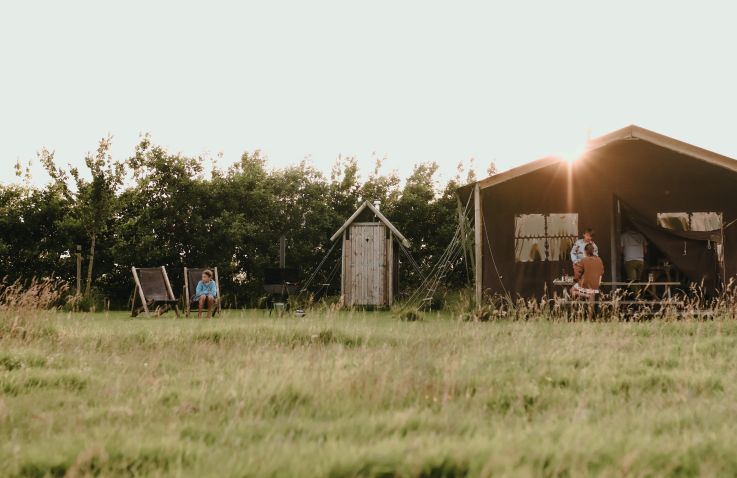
367 264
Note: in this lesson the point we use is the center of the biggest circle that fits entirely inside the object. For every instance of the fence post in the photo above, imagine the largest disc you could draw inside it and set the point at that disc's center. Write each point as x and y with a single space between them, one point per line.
282 252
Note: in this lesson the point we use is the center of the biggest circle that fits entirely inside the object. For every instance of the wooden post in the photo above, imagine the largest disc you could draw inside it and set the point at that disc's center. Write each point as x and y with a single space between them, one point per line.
282 252
79 269
187 300
140 292
721 260
478 245
614 234
168 288
218 300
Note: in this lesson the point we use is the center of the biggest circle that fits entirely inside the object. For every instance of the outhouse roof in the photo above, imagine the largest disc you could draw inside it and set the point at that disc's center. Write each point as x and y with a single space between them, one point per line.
379 215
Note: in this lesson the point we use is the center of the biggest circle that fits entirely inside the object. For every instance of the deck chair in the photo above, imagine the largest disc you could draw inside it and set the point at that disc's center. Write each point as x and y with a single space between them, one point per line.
192 277
153 290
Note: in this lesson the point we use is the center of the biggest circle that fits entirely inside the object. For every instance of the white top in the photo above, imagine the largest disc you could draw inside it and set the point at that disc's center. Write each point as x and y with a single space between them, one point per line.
633 245
578 252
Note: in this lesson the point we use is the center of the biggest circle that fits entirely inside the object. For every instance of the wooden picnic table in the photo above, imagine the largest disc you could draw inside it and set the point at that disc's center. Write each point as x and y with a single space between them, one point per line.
648 286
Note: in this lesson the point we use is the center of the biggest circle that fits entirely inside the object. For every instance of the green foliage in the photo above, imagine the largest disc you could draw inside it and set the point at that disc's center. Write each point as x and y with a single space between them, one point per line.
36 233
94 200
158 208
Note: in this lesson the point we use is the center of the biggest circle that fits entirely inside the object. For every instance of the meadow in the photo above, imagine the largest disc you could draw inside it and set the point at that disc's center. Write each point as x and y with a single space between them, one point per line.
343 394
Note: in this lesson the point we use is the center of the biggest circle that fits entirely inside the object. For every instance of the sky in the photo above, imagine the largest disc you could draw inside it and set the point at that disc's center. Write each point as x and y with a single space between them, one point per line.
411 81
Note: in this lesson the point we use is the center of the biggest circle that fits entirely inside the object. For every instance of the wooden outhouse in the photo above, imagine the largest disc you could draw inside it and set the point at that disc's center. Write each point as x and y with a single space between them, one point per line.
370 265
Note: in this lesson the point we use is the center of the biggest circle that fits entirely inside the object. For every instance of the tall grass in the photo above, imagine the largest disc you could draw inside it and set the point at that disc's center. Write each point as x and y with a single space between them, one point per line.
620 305
25 307
534 392
365 394
38 294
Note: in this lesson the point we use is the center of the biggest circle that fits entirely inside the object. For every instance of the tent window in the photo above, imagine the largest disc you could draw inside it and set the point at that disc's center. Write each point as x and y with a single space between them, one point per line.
706 221
529 225
530 249
675 221
695 221
544 237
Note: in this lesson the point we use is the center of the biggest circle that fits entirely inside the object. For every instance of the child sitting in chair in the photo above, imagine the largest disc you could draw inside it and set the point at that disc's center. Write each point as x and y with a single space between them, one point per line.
206 293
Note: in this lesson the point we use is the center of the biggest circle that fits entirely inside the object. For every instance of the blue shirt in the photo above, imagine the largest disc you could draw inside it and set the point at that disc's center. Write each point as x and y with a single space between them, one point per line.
208 290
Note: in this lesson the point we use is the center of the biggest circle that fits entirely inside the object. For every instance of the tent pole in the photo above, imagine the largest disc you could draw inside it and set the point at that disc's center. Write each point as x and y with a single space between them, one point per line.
478 262
722 259
614 226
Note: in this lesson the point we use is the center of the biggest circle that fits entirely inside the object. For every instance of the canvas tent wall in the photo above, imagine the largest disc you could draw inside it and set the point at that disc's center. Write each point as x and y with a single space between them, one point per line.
370 265
527 217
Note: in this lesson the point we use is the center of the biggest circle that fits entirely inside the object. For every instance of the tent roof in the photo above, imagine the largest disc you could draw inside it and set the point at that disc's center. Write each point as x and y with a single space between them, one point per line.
379 215
629 133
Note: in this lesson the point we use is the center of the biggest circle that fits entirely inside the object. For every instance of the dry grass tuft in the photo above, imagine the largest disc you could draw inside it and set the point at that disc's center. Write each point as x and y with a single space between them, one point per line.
24 307
39 294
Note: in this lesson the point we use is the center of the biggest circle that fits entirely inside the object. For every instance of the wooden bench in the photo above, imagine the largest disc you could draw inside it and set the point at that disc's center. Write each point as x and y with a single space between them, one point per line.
676 303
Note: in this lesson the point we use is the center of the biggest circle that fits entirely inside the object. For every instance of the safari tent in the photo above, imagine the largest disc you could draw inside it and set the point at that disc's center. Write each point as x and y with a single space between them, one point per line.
370 266
682 198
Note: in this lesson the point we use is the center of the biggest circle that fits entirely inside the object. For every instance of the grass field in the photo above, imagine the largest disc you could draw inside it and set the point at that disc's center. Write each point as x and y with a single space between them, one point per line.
364 394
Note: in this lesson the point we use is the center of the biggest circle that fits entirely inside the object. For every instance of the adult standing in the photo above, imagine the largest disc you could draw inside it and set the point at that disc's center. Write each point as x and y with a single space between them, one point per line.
634 248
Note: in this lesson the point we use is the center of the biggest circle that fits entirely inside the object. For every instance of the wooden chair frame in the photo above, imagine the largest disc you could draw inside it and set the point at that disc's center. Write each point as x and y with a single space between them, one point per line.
188 299
161 305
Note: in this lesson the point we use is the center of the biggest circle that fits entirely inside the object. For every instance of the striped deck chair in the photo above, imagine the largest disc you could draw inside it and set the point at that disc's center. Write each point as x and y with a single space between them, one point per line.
192 276
153 290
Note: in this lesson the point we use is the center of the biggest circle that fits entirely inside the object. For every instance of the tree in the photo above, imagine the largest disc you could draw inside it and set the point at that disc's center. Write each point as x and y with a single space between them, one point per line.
417 218
383 188
167 217
345 187
171 213
95 199
491 170
35 236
